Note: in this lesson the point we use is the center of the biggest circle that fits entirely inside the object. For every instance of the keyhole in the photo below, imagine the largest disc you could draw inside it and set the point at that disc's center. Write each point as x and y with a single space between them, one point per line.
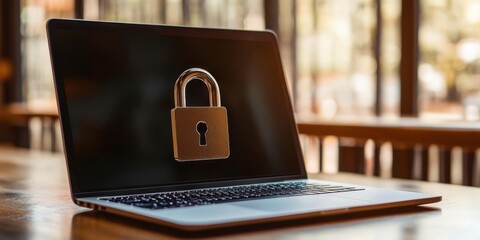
202 130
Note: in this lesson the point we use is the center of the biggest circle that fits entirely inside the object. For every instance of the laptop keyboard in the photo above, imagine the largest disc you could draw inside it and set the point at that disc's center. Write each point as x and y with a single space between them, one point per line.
226 194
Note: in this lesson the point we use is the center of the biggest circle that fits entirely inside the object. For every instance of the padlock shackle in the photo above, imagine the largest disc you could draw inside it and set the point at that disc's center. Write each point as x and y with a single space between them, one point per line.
205 77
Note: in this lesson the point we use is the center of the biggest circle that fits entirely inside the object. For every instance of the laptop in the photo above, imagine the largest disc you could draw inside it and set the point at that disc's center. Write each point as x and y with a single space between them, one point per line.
119 88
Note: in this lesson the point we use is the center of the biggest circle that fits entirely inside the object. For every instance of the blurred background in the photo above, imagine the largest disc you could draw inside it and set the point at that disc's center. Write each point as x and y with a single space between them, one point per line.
332 49
343 58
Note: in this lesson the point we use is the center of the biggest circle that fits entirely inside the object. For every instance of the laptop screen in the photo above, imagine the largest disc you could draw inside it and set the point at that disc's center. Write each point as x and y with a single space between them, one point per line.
115 87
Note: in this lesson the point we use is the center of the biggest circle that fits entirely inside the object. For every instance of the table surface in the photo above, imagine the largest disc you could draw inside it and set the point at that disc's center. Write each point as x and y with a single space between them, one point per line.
35 204
29 110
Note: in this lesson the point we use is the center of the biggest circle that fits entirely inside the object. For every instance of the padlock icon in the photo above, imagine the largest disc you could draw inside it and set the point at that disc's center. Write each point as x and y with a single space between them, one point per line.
199 133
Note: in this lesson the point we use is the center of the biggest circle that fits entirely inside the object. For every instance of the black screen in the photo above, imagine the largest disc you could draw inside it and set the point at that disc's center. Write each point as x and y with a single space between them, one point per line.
115 89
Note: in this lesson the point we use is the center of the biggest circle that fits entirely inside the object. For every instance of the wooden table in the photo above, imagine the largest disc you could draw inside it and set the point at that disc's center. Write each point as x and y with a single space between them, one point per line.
397 130
35 204
20 114
405 134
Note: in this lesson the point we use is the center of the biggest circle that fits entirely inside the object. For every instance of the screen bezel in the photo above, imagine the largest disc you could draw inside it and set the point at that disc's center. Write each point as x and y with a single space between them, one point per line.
59 24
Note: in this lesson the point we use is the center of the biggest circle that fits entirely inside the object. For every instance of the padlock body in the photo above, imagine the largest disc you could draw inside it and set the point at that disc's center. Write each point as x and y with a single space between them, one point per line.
186 145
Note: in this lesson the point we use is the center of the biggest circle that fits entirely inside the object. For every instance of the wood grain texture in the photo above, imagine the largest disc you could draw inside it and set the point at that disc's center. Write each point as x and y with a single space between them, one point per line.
35 204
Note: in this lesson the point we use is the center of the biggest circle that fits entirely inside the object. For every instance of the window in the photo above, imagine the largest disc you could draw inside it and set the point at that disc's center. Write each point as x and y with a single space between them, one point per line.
335 61
209 13
336 52
38 85
449 68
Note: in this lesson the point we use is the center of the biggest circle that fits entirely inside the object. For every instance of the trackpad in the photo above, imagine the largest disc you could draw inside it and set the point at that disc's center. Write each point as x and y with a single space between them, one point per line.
302 204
